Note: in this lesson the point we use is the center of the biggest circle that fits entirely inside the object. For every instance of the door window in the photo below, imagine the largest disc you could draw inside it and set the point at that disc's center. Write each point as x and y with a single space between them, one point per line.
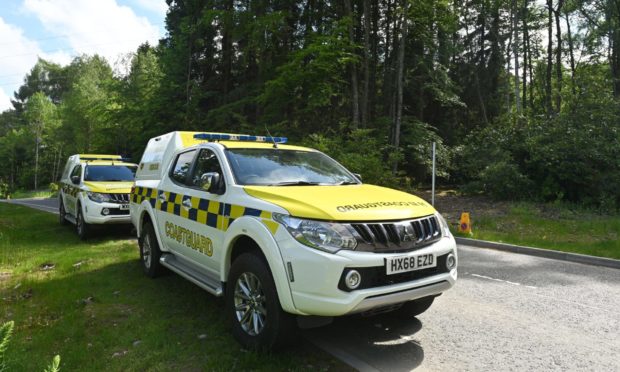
77 171
182 166
207 162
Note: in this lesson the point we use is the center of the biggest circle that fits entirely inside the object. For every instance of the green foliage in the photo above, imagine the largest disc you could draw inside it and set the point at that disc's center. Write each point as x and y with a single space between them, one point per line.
298 69
6 331
361 152
4 190
55 365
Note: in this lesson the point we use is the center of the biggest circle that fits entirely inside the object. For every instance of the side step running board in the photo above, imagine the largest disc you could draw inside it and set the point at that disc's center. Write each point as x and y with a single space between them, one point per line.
208 284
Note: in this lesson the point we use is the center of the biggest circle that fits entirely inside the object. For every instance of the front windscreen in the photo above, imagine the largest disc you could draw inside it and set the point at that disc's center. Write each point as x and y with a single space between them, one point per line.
109 173
278 167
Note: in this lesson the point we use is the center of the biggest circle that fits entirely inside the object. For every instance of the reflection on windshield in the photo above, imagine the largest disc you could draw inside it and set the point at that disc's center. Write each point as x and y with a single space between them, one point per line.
109 173
286 168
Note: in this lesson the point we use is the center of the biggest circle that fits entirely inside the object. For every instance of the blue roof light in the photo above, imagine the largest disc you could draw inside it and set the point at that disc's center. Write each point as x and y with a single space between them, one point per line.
239 137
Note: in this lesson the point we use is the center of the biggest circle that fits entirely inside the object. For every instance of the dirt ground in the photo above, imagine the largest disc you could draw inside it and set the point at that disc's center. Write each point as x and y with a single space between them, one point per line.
451 205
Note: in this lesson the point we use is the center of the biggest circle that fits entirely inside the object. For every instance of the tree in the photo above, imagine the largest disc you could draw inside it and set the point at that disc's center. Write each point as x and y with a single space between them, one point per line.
40 112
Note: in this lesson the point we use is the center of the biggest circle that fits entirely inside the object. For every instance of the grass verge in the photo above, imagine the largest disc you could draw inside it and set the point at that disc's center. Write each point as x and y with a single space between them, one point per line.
90 303
551 227
23 194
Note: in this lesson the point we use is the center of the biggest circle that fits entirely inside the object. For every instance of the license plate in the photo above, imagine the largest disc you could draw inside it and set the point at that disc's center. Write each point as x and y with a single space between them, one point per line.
402 264
124 207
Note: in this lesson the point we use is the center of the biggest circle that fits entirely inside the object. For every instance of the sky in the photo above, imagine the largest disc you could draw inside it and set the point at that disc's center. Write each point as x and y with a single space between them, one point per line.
59 30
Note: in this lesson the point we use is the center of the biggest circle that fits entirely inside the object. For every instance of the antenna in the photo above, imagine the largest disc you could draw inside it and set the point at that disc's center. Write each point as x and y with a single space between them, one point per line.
275 145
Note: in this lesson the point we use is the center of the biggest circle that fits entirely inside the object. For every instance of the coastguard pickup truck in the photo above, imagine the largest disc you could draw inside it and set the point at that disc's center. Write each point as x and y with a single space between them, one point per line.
94 190
285 233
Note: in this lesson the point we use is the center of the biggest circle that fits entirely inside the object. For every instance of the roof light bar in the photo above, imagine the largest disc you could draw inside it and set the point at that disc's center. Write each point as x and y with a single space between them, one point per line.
239 137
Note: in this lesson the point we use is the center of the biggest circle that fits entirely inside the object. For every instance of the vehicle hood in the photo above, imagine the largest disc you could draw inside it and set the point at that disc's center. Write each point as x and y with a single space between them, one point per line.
343 203
109 187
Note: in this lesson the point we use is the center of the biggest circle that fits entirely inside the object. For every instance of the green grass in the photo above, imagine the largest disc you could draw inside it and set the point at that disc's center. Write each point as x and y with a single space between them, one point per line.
552 227
23 194
99 312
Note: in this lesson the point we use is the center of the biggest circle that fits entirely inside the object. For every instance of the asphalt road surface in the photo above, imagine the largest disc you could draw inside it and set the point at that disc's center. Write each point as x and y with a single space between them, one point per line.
507 312
46 205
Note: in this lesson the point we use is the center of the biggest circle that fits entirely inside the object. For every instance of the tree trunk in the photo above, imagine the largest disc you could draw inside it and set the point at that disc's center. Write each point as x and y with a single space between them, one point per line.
36 160
558 57
571 53
354 86
548 99
364 108
525 53
400 82
515 50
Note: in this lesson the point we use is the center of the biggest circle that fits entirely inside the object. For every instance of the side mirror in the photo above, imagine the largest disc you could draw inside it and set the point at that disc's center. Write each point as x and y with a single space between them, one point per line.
210 181
358 176
75 180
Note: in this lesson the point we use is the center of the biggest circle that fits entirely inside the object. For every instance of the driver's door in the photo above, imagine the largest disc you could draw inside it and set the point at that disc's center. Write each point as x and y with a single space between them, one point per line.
70 192
205 209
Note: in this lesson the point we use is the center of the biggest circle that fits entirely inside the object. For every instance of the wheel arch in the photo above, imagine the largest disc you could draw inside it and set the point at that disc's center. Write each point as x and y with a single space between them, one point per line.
247 234
148 215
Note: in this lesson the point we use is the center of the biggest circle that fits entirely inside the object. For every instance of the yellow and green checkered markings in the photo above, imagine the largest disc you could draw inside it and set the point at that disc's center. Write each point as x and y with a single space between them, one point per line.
204 211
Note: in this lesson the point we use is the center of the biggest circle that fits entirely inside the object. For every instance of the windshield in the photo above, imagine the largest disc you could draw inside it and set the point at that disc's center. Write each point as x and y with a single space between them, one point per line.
276 167
109 173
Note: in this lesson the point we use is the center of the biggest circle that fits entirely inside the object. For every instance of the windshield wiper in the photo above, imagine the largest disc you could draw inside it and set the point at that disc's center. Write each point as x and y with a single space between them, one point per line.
296 183
347 183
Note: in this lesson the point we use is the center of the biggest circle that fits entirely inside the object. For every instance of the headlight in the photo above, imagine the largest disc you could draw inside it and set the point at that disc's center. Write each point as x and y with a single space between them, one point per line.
98 197
326 236
444 224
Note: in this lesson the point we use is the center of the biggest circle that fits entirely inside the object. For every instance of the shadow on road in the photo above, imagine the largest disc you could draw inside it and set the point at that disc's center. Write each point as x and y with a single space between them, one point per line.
384 342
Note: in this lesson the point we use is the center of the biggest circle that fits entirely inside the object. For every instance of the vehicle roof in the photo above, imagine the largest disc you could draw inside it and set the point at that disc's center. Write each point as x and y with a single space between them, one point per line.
107 162
261 145
188 140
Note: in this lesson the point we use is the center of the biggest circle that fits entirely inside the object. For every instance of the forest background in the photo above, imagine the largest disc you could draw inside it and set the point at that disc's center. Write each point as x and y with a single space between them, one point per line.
521 96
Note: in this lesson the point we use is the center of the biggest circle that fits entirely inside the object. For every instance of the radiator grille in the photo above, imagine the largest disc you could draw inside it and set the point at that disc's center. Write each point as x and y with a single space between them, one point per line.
398 236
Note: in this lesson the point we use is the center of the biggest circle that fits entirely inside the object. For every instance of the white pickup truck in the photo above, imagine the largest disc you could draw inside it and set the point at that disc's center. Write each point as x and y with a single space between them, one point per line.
284 231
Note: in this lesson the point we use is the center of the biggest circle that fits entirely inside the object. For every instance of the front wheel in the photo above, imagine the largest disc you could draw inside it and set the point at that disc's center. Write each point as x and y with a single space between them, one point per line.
259 323
82 228
62 214
149 251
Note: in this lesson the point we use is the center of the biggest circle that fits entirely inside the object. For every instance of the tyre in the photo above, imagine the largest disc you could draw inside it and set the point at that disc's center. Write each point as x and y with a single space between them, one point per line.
62 213
82 228
258 321
415 307
149 251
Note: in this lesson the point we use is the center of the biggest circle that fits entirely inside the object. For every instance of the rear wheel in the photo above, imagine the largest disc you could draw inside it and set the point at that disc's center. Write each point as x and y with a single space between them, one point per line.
252 302
82 228
149 251
62 214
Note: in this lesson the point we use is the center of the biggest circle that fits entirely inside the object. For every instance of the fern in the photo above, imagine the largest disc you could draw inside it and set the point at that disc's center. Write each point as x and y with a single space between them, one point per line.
55 366
6 330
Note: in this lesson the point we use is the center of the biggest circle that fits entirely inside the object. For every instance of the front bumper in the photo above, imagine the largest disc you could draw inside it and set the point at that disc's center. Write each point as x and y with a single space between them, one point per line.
316 277
93 213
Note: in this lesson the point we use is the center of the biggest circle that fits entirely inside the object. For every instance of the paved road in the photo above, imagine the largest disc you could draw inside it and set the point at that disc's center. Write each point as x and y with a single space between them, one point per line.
42 204
507 312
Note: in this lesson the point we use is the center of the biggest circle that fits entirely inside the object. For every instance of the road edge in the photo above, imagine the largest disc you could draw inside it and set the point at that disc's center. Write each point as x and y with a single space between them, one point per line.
539 252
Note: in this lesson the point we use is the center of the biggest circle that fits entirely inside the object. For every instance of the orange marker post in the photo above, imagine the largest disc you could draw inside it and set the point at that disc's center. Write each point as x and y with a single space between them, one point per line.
465 224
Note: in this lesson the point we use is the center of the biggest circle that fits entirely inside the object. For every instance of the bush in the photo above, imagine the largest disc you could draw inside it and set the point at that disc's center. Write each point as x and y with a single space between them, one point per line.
4 190
360 152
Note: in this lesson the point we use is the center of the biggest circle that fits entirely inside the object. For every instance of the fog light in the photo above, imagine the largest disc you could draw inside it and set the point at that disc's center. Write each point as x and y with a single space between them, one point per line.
451 261
353 279
105 211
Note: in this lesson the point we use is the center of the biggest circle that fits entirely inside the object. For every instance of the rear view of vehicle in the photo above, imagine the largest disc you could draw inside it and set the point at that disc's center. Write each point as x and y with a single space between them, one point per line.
95 191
